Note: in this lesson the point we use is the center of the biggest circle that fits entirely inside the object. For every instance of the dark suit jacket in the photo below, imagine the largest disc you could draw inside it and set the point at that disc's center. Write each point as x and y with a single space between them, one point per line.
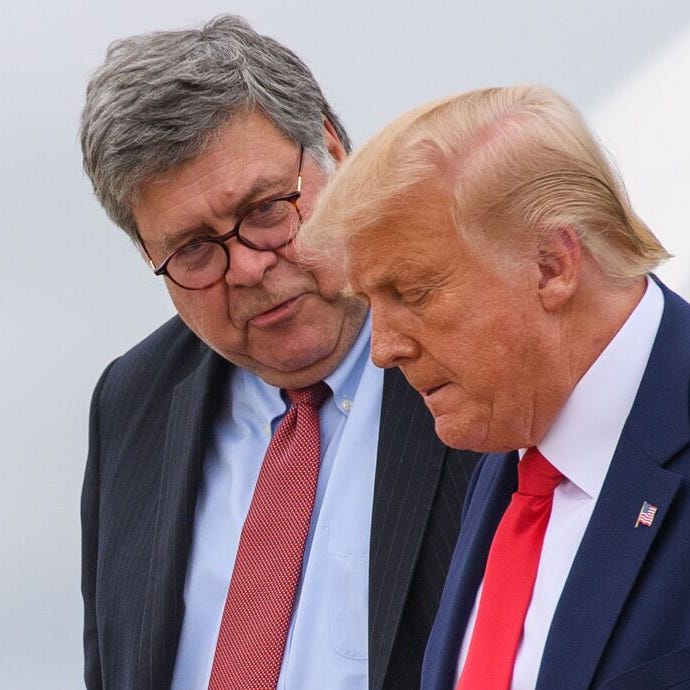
151 413
623 619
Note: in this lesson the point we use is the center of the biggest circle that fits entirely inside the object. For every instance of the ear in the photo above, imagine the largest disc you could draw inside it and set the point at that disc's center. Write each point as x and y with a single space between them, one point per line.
333 144
560 265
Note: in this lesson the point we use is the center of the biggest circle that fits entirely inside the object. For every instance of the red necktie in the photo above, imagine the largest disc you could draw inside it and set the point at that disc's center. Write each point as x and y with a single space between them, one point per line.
509 577
258 608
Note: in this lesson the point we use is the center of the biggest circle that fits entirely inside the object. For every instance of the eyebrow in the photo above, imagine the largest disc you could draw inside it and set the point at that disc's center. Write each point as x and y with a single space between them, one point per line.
404 271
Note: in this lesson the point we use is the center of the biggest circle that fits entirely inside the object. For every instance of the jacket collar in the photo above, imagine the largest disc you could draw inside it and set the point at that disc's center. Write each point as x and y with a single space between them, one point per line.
613 551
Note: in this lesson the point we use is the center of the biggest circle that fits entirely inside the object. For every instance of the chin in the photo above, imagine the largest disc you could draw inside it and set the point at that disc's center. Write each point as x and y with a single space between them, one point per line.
452 436
301 360
463 436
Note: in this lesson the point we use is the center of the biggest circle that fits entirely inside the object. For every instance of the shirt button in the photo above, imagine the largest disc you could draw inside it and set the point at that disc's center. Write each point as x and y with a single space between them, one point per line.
267 429
347 405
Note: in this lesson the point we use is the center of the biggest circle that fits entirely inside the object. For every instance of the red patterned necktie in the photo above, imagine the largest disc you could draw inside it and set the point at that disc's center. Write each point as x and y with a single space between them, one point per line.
258 608
509 577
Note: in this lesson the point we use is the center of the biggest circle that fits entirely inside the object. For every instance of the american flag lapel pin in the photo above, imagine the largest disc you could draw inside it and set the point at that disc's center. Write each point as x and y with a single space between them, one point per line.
646 515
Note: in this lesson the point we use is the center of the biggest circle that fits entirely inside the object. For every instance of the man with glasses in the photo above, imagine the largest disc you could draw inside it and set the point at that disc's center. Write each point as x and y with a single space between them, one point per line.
203 565
265 225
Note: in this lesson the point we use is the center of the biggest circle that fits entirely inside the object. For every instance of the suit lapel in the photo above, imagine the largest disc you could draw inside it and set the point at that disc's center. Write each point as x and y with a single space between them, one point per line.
409 464
612 553
494 482
607 564
191 410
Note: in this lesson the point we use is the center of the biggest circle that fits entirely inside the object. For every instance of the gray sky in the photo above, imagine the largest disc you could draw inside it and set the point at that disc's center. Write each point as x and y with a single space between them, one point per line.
75 294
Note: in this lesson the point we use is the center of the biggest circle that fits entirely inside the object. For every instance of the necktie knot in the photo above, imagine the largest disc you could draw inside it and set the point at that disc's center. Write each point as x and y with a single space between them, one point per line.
536 475
313 395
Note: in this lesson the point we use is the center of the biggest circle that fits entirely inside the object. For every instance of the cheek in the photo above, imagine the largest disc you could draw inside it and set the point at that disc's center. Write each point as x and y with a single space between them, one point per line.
180 300
478 363
186 304
330 281
205 312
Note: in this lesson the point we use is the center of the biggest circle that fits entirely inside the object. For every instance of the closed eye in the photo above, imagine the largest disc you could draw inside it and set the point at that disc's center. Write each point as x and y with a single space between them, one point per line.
195 254
412 297
267 214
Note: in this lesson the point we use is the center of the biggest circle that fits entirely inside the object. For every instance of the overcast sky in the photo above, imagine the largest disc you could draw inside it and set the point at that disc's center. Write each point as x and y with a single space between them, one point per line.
75 294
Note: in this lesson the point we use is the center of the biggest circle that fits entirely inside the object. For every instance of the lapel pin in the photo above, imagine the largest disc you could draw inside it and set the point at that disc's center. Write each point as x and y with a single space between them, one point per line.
646 516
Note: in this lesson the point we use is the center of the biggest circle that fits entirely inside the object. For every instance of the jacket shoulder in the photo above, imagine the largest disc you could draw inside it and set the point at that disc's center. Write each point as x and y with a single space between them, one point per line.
163 358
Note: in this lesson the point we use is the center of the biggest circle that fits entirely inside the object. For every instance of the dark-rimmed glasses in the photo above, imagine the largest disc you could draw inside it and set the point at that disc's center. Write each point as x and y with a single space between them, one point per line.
265 225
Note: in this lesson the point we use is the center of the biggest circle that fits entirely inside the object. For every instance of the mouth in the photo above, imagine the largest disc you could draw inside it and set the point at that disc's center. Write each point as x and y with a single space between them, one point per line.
428 392
275 314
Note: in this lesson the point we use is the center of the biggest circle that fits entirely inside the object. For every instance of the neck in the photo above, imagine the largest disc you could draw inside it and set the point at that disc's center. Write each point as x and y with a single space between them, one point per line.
585 327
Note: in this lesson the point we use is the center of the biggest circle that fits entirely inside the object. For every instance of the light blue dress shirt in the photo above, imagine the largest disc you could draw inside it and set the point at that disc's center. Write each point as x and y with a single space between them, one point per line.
327 644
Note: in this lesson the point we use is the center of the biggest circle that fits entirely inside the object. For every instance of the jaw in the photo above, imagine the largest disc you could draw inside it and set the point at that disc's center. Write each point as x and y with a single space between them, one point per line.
297 354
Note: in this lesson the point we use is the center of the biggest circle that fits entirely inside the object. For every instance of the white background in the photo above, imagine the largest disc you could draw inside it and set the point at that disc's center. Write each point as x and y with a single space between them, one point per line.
74 293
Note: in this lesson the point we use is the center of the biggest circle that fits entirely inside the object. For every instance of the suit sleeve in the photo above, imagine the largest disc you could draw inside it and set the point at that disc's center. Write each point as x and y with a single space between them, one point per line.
90 501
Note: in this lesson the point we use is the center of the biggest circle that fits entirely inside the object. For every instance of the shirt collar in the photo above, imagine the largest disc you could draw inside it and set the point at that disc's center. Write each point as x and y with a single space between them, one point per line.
585 433
343 381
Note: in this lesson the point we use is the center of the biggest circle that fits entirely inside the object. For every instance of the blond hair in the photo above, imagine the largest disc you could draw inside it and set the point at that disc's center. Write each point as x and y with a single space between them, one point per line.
513 160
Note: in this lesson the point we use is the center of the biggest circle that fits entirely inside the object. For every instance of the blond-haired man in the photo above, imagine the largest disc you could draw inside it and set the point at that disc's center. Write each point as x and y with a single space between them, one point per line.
511 281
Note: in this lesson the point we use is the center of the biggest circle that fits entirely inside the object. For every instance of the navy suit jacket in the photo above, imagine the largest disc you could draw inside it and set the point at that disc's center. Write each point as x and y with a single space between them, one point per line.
623 619
150 416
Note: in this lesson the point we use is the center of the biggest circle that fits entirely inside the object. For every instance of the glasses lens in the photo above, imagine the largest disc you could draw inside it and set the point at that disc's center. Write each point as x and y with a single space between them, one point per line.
271 225
198 265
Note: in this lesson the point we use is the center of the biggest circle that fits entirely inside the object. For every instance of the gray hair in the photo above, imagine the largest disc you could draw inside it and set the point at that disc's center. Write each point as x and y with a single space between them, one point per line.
159 97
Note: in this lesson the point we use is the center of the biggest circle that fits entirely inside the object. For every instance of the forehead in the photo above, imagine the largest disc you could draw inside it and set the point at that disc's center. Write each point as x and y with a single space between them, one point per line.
415 241
245 159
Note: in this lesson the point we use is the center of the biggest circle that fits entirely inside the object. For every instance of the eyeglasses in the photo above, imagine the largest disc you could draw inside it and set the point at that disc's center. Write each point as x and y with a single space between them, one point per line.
265 225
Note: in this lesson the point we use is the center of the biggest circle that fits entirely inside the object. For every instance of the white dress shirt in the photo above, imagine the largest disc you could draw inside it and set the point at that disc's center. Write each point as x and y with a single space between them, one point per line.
580 444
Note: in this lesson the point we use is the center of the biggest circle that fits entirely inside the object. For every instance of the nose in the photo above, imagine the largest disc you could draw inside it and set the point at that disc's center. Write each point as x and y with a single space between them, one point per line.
248 266
391 345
